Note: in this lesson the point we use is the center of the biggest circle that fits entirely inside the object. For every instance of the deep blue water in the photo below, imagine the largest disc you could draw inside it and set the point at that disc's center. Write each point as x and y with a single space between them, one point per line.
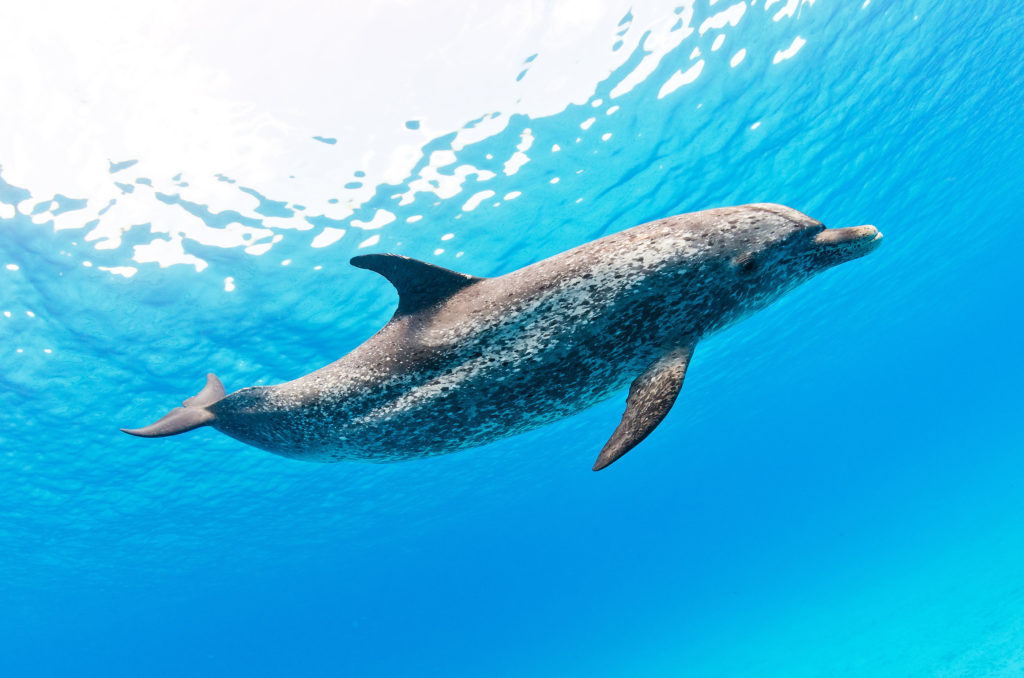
837 491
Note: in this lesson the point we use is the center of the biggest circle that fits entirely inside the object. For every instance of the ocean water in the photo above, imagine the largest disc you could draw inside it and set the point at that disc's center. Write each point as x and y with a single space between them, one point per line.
838 491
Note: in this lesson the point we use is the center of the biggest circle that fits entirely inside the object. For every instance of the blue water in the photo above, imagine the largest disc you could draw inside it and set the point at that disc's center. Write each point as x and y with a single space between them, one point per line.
837 491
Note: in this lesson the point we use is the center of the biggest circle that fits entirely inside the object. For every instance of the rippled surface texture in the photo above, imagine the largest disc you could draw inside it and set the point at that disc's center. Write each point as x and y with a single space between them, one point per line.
836 492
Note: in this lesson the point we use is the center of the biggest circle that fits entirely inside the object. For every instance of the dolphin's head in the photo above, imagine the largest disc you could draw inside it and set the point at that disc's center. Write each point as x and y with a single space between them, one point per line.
770 249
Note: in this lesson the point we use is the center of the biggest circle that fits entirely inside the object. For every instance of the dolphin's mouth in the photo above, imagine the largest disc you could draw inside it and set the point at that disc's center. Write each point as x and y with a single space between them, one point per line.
848 243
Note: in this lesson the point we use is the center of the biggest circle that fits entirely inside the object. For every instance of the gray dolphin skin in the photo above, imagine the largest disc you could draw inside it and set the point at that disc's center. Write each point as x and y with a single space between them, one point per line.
466 361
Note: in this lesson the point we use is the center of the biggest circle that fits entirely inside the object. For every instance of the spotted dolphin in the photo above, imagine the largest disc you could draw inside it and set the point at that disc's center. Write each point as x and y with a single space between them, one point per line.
466 361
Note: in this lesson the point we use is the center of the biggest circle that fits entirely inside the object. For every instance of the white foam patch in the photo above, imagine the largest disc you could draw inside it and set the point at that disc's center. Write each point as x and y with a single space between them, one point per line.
664 37
789 9
255 250
484 129
737 58
124 271
264 247
680 78
728 17
167 253
790 51
328 236
380 219
514 163
442 185
476 199
519 158
286 223
161 218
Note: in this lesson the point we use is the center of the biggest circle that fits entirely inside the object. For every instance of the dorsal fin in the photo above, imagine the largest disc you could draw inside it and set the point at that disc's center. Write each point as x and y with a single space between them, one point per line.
419 284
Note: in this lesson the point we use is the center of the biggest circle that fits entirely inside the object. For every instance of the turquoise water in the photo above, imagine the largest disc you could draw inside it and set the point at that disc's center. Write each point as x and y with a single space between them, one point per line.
837 490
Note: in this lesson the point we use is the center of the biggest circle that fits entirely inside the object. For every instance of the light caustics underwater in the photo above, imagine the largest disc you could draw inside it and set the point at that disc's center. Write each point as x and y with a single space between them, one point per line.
835 492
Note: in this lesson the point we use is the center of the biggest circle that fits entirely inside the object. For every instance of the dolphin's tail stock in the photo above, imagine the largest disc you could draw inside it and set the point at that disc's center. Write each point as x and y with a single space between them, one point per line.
192 414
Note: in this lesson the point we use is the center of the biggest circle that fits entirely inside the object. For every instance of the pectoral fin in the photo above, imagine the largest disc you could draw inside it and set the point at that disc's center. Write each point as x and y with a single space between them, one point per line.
650 398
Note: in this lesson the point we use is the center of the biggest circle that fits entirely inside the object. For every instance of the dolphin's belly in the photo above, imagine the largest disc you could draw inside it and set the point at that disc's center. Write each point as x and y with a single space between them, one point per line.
473 403
476 404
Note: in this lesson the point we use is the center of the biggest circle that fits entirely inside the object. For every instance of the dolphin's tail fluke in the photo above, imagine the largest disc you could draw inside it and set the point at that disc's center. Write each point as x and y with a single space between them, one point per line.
193 414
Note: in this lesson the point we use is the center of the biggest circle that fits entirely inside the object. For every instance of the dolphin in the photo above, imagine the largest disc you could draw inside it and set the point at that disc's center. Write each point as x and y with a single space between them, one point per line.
466 361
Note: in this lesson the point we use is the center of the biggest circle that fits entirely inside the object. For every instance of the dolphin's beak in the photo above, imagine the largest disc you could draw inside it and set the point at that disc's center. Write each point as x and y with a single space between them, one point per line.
848 243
